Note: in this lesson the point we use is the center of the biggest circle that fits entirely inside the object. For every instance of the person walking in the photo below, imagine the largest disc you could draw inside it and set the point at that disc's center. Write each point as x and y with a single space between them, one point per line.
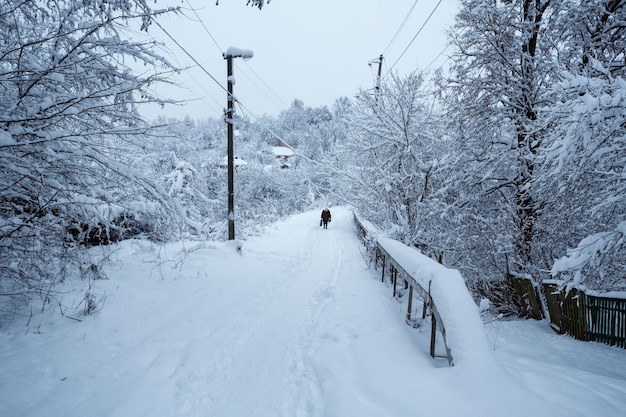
325 217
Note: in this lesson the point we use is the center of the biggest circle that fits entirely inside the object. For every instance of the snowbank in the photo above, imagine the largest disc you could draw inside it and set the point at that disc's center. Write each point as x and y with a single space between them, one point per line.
293 323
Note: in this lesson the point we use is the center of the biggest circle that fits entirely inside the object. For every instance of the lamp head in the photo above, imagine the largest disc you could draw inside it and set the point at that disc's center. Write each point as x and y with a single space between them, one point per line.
232 52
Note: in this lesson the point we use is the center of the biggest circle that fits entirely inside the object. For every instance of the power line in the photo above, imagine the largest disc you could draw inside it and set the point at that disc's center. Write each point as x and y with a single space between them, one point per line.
414 37
190 56
202 67
395 37
248 65
265 92
241 70
276 134
219 108
437 57
266 85
155 21
204 26
217 82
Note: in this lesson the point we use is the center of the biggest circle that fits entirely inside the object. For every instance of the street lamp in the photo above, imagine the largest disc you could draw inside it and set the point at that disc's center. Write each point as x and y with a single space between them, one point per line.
228 56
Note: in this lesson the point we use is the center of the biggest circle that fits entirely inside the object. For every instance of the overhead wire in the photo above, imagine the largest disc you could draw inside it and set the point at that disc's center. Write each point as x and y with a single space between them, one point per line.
190 56
199 84
264 92
276 135
395 37
273 100
266 85
203 25
242 106
437 57
414 37
198 63
199 20
194 59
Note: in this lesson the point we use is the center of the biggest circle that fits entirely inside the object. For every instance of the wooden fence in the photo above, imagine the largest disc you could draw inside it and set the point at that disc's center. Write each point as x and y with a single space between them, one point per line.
586 317
394 270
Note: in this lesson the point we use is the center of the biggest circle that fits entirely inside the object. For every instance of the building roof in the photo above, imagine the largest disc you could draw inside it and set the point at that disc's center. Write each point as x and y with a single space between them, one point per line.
282 151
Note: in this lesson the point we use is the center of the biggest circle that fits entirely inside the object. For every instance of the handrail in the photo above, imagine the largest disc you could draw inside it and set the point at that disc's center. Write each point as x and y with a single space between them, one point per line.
396 268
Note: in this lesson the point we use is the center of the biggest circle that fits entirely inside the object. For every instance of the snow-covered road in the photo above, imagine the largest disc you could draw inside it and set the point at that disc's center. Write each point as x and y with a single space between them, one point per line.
295 325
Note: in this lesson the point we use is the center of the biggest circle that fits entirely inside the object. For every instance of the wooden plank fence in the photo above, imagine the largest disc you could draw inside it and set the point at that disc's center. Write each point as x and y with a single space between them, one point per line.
390 267
607 320
586 317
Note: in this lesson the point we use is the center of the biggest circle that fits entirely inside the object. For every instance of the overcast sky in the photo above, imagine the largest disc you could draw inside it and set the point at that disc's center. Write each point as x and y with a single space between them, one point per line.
314 51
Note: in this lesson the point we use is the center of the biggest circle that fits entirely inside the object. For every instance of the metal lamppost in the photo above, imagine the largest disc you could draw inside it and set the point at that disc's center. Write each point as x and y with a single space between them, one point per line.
228 56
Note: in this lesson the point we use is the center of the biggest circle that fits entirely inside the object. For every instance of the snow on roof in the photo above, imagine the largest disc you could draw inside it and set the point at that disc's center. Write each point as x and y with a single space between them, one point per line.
282 151
237 161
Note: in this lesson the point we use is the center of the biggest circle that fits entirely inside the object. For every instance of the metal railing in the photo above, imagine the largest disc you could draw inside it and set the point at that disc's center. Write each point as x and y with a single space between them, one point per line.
396 271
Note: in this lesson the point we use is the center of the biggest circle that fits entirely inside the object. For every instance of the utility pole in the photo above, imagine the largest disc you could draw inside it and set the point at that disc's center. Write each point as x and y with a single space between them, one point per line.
380 69
378 61
231 169
228 56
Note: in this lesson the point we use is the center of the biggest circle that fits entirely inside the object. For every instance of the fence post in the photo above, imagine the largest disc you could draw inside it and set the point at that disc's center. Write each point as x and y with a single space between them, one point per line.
554 300
527 296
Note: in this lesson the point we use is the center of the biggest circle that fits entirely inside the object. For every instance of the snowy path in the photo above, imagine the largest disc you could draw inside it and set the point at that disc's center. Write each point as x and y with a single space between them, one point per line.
295 326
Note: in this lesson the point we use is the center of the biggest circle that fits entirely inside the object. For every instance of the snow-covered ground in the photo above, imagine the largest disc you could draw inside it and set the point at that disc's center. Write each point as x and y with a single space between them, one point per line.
295 325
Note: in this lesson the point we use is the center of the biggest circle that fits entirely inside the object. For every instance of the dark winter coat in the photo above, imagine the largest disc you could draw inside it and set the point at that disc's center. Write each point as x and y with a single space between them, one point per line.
325 215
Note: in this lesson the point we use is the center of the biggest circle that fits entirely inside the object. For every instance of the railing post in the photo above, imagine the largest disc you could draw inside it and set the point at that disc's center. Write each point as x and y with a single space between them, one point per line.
394 277
382 279
395 285
426 302
376 258
433 334
410 306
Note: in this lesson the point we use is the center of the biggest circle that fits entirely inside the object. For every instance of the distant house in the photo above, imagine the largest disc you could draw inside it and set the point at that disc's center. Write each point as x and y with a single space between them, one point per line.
282 155
237 163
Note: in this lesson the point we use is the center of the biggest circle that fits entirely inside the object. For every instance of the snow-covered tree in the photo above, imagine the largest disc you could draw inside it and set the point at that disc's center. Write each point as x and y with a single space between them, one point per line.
387 165
584 165
496 89
534 97
253 3
68 96
191 155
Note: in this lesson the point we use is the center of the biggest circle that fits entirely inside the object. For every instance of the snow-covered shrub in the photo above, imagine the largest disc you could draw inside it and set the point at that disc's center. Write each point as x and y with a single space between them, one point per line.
68 132
499 293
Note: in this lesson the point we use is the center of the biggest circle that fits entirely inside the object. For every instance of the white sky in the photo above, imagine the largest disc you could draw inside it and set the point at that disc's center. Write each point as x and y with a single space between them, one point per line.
315 51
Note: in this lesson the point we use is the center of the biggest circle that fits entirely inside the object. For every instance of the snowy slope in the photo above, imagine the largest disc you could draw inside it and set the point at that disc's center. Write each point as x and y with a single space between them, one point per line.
295 325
